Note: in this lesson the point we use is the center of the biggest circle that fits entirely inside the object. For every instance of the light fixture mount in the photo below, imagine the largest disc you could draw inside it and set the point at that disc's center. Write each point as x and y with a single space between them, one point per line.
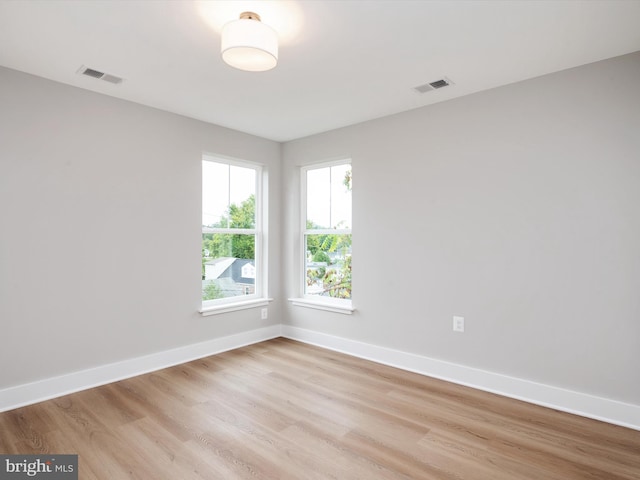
250 16
248 44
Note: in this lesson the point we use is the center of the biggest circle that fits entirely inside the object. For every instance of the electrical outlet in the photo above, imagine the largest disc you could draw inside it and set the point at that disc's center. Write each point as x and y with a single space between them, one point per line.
458 324
264 313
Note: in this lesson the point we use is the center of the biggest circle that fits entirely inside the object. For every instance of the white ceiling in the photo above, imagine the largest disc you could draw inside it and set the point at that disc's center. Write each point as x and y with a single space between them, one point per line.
341 62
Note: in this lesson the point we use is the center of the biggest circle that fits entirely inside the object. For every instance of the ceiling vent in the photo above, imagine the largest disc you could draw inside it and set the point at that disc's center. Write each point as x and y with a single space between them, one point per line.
90 72
427 87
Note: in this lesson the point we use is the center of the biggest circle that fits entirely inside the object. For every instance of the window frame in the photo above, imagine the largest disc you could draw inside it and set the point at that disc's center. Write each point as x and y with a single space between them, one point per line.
259 297
337 305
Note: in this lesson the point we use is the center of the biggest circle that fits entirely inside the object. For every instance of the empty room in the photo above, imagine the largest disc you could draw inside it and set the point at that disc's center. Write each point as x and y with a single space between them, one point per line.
306 239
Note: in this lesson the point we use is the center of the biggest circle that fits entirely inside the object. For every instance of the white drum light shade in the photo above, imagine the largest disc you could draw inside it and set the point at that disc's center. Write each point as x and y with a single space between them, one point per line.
248 44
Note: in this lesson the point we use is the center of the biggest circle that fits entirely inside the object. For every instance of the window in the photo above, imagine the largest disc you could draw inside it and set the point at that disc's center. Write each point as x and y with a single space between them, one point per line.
326 235
231 232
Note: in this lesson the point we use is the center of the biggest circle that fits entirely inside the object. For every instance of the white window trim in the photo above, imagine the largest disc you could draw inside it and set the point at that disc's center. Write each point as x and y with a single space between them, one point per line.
330 304
259 297
235 306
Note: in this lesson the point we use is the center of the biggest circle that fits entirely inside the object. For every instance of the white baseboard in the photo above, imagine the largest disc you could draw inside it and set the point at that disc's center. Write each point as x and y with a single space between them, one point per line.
611 411
29 393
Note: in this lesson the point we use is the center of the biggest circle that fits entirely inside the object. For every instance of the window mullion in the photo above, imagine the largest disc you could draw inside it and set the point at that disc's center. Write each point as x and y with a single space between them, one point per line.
327 231
232 231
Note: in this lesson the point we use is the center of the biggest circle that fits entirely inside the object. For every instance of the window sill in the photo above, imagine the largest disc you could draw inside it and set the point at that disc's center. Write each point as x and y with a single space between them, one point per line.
235 306
347 309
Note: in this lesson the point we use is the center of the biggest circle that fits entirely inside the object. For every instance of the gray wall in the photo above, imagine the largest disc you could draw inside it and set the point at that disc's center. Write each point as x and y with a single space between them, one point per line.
100 220
517 208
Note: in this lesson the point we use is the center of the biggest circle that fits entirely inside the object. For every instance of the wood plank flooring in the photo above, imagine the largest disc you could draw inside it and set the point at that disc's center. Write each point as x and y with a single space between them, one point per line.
285 410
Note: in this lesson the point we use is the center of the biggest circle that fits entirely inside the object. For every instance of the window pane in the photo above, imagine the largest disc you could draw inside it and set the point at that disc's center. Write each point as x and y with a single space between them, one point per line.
341 196
215 194
319 198
242 197
228 265
328 265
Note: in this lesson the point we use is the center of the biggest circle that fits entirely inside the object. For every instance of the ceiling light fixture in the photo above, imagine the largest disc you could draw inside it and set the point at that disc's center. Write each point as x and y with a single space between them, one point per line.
248 44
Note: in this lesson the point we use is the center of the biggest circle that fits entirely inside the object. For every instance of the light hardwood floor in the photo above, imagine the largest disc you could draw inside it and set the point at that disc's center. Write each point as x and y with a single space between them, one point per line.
285 410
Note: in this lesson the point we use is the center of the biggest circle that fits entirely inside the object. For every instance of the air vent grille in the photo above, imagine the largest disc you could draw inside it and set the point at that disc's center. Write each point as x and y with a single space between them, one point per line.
427 87
439 83
90 72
